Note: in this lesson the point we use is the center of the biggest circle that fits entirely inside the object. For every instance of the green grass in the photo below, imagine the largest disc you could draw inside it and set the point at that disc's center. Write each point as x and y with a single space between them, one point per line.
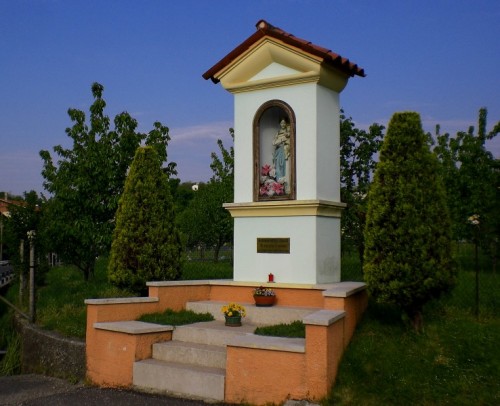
195 270
351 266
295 329
11 363
179 318
60 304
455 361
9 339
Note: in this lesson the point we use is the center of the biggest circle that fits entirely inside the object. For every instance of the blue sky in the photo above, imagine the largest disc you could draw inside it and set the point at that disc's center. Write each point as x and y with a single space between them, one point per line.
439 58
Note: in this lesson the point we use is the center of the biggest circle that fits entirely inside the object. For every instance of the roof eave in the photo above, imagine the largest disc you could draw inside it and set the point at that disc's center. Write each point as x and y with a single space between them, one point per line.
266 29
231 56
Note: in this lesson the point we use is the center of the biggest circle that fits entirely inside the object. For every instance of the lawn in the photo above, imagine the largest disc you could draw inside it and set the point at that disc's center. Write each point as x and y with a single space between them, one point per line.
60 304
456 361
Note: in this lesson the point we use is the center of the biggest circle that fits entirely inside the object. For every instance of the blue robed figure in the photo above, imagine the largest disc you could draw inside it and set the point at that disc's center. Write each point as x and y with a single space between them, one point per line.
281 152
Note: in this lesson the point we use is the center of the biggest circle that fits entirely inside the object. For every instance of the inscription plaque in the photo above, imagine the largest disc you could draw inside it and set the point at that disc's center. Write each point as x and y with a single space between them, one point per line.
273 245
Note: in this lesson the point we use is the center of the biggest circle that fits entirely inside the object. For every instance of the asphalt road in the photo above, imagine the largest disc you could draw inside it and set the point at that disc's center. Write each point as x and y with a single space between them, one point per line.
38 390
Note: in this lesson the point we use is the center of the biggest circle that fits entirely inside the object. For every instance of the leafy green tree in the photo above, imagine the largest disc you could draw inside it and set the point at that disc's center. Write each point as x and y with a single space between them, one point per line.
407 234
146 242
24 216
88 180
205 221
27 217
357 163
471 177
182 194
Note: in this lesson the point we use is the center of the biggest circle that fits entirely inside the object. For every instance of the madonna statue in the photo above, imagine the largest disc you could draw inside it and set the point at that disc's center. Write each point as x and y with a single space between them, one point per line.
281 153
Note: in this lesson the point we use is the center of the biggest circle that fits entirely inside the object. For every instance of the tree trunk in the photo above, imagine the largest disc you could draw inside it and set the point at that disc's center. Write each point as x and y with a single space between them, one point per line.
216 251
417 320
88 272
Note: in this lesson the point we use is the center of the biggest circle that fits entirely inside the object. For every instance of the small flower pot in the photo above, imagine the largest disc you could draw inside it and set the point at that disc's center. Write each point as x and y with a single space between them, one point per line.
233 321
264 301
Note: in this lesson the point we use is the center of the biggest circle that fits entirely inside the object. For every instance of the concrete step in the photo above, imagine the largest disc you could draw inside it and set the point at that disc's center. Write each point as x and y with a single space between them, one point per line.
193 363
211 332
180 379
263 316
190 353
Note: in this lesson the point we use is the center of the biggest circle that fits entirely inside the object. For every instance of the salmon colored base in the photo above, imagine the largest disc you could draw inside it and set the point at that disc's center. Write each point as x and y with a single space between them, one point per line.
253 375
354 307
111 355
259 376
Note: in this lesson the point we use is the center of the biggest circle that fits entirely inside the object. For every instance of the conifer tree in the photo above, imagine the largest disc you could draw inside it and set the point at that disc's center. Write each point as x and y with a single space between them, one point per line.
146 243
407 234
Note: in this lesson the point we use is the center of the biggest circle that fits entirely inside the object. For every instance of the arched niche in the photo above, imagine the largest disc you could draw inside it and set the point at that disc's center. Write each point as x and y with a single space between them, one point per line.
274 152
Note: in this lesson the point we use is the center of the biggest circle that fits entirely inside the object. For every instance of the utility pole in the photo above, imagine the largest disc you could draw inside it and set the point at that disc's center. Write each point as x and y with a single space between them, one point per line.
1 237
22 282
31 238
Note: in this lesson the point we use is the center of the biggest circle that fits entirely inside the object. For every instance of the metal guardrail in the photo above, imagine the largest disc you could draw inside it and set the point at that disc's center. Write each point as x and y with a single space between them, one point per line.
7 276
6 273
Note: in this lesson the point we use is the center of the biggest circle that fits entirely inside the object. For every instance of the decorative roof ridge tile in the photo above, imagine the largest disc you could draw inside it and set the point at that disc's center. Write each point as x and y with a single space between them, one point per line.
266 29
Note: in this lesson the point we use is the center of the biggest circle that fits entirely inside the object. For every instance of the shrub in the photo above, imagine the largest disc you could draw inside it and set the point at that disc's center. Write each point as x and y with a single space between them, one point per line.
146 243
407 235
295 329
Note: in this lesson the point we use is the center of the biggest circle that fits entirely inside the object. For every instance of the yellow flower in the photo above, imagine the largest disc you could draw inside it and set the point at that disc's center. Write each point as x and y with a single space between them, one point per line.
233 309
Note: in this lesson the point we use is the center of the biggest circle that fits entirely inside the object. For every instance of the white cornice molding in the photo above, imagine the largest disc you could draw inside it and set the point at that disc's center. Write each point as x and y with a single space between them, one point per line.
286 208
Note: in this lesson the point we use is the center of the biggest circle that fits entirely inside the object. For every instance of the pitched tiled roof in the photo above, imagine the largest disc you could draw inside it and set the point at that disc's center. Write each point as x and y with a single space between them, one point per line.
265 29
4 205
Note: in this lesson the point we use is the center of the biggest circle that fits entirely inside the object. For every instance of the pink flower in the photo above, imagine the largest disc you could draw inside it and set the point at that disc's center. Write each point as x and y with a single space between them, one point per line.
263 190
278 188
266 169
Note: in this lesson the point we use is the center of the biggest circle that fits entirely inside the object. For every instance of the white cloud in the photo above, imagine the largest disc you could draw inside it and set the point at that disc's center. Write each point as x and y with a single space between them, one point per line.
191 148
208 131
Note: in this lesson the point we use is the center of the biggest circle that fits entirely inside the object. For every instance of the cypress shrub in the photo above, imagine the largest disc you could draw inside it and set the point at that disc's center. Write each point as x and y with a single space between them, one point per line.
407 234
146 242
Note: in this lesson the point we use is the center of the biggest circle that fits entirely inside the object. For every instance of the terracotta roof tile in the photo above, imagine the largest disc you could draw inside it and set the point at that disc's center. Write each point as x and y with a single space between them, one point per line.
265 29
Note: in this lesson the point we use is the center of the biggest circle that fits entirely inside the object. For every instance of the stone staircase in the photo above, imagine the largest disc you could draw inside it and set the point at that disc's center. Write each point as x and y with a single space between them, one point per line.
193 363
